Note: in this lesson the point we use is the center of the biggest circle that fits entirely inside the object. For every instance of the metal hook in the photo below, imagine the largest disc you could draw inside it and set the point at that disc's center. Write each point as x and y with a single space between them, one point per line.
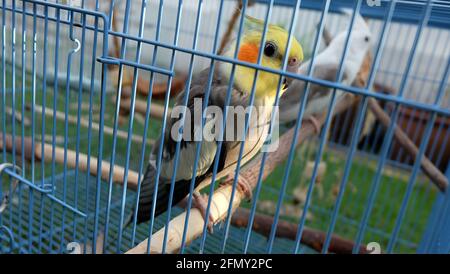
78 45
15 183
71 37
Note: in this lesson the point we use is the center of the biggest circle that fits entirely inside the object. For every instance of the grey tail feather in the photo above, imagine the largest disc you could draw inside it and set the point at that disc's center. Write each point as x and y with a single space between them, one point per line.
128 220
181 190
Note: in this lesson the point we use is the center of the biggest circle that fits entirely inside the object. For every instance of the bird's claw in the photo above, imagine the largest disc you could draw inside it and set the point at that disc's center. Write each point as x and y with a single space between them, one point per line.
200 202
242 185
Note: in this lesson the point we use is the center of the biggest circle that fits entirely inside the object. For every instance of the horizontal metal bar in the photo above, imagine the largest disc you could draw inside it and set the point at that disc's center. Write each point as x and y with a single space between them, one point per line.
354 90
351 89
45 191
405 12
117 61
69 8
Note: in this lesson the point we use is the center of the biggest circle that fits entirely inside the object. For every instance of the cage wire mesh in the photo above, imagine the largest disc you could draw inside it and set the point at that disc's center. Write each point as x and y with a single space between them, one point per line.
70 70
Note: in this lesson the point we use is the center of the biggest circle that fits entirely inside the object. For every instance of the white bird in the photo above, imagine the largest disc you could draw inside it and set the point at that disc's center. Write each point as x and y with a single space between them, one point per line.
326 66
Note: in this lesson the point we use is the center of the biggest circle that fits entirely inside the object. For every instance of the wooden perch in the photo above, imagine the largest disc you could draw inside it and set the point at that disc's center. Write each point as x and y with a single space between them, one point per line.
18 116
156 110
428 167
85 123
160 89
312 238
71 159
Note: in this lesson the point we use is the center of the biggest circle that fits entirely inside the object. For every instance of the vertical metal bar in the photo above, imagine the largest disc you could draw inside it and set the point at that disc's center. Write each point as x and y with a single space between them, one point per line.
436 235
55 104
91 102
66 126
248 114
147 118
3 95
385 208
33 91
33 130
13 83
203 120
3 77
24 47
80 101
434 153
417 163
389 134
358 127
116 111
106 25
163 128
219 143
431 227
328 120
44 99
390 210
300 113
185 102
13 96
131 120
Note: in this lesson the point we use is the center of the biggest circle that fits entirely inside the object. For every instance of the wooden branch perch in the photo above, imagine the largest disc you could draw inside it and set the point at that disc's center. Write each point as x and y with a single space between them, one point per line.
18 116
312 238
160 89
85 123
71 159
428 167
156 110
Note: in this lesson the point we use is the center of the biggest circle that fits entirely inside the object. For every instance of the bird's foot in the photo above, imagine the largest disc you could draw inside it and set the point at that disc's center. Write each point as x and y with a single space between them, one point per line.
242 185
315 123
200 202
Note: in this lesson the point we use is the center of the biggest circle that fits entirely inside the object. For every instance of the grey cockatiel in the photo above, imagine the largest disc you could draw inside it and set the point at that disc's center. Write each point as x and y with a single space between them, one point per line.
326 66
265 91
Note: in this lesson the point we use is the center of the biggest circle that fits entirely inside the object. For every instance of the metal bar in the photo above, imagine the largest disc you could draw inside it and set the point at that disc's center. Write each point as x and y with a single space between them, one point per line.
91 98
357 130
147 117
183 115
220 143
164 123
389 134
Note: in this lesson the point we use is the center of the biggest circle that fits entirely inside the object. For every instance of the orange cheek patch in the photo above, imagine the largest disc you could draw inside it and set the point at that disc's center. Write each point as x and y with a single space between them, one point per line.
248 53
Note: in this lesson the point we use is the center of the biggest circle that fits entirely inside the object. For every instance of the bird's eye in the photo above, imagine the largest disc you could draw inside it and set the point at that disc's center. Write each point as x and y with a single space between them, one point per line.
367 38
270 49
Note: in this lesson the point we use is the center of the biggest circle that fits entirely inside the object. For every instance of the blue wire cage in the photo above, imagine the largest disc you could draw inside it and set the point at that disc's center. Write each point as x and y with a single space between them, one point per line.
87 86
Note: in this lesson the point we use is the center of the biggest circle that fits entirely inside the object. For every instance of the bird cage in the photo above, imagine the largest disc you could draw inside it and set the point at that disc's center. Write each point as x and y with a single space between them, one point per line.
88 87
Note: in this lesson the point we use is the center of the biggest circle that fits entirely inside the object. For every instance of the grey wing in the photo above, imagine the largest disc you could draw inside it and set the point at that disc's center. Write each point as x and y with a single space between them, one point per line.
191 128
